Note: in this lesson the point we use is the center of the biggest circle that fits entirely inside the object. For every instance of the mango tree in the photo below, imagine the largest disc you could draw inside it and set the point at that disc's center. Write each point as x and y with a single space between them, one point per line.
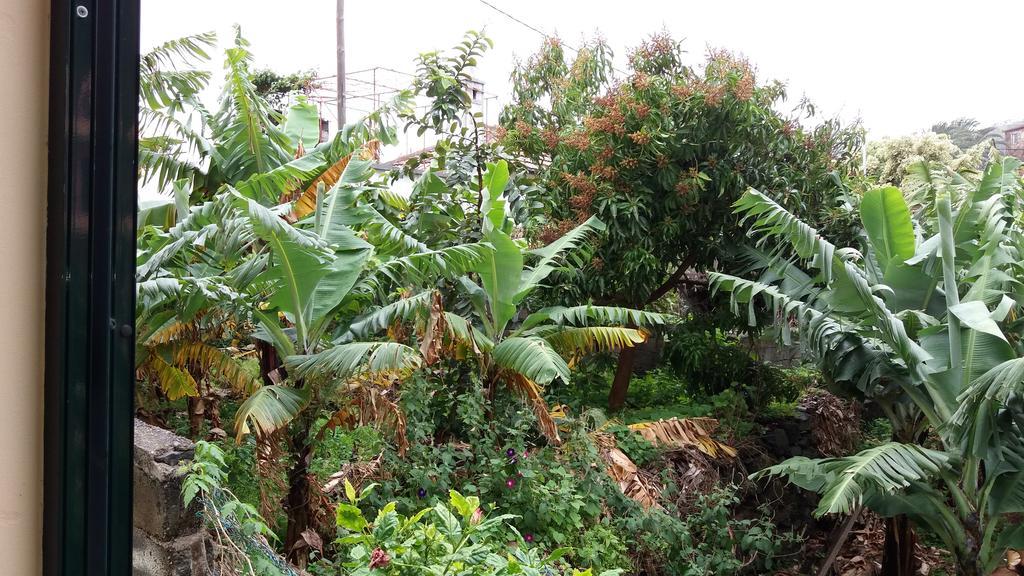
659 157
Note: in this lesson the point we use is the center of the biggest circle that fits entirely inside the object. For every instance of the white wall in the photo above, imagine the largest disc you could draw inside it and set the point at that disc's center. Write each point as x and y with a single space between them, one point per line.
24 64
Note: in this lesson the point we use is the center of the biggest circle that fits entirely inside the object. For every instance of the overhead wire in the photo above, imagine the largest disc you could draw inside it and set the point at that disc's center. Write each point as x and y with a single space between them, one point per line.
537 30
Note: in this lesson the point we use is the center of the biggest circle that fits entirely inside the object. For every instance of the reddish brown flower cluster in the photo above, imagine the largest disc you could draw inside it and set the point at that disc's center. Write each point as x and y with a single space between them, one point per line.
630 163
605 101
555 230
725 66
663 161
682 188
612 122
745 86
641 81
597 264
550 137
581 202
713 95
600 170
788 128
577 140
523 128
658 47
605 154
500 133
682 91
642 110
640 137
579 182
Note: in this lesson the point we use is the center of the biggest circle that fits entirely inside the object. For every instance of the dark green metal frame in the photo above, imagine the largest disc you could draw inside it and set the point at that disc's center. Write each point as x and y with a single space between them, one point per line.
90 287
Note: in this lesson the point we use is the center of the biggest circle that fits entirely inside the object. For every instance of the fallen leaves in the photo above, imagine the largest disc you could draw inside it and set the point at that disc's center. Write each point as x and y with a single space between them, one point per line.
688 439
684 433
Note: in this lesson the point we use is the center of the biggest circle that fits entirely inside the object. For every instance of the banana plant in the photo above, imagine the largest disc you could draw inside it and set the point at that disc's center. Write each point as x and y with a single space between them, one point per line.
523 351
187 148
302 280
925 316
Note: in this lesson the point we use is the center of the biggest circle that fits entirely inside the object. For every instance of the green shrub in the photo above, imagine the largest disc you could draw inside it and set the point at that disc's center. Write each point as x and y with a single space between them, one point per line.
241 534
600 548
338 446
453 538
710 540
710 361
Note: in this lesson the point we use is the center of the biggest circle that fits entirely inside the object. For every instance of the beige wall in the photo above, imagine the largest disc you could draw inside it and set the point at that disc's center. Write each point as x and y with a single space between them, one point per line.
24 68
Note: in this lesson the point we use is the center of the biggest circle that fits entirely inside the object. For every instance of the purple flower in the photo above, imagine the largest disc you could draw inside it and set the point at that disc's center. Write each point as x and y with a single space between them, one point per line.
511 452
422 493
528 538
511 482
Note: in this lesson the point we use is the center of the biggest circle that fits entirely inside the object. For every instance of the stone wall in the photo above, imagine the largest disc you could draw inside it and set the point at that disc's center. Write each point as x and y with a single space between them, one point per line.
168 538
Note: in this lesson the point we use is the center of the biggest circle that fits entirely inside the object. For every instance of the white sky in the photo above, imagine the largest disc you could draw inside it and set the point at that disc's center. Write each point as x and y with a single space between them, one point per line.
901 65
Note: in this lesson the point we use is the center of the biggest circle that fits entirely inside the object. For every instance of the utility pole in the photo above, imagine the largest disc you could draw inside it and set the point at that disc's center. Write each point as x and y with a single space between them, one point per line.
341 64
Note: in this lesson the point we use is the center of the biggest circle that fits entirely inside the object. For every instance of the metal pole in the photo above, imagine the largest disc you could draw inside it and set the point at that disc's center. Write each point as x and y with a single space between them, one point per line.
341 63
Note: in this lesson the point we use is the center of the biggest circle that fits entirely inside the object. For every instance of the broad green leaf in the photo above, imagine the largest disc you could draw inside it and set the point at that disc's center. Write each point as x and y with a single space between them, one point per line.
297 272
974 315
302 123
349 517
499 272
269 409
590 339
886 219
338 212
844 482
345 360
532 357
461 504
493 206
552 255
588 315
340 276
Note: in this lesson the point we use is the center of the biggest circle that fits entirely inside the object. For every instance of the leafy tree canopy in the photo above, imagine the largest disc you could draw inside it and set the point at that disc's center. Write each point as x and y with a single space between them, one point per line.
661 156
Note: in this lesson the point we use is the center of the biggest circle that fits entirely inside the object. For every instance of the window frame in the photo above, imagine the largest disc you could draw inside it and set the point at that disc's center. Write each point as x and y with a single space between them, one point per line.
90 287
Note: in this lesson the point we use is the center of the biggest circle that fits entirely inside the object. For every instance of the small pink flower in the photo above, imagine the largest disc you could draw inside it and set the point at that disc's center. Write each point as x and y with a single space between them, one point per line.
379 559
528 538
511 483
478 515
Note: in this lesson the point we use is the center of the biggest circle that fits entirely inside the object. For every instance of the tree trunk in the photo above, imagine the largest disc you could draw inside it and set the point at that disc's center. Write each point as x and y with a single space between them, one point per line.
620 385
898 550
269 360
196 414
297 502
297 505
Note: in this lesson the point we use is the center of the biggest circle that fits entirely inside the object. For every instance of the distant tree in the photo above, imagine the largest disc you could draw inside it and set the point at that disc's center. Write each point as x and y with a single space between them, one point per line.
889 158
964 132
274 87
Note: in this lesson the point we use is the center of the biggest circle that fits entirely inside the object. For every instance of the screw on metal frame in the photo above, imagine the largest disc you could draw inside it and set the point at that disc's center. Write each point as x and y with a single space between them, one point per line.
82 11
